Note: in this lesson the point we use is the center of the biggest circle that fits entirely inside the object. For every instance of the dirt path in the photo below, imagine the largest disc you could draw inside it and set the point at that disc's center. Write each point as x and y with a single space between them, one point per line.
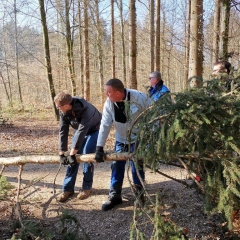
183 205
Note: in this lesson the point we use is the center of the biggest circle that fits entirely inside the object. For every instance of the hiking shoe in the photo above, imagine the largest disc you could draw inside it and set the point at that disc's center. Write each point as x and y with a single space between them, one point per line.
84 194
64 196
111 203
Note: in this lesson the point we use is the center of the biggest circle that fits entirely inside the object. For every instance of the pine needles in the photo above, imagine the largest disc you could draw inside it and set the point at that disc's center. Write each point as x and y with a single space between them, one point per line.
202 127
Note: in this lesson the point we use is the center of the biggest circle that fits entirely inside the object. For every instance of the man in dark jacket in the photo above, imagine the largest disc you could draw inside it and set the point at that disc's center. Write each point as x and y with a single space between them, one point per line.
85 118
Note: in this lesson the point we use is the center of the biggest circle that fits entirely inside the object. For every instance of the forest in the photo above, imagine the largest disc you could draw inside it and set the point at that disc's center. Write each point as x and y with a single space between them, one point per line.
78 45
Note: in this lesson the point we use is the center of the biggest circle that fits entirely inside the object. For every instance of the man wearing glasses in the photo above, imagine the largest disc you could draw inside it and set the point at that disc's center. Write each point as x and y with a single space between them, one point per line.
85 119
157 88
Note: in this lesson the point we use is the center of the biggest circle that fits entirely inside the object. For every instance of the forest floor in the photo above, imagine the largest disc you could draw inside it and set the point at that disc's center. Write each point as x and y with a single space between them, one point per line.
40 209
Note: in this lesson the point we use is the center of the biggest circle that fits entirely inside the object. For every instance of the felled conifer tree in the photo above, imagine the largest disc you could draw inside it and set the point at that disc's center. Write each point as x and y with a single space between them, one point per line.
200 128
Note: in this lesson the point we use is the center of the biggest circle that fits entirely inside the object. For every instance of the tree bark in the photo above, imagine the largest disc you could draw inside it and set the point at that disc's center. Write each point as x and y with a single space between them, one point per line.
81 48
224 29
196 43
8 73
100 52
120 6
187 41
157 33
17 53
132 44
113 40
49 159
86 53
69 43
5 87
152 35
163 43
47 56
216 25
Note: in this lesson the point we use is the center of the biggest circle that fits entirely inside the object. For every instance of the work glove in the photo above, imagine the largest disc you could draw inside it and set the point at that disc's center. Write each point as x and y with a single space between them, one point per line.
63 159
100 156
72 160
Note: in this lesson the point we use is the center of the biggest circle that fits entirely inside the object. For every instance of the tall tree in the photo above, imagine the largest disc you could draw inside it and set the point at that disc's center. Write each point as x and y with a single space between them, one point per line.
69 42
47 55
216 25
157 33
132 44
187 40
81 48
120 6
86 53
152 35
5 88
163 42
224 28
17 53
113 40
196 43
8 75
98 25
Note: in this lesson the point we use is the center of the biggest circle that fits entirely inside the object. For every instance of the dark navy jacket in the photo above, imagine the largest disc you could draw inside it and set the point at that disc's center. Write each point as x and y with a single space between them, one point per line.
83 117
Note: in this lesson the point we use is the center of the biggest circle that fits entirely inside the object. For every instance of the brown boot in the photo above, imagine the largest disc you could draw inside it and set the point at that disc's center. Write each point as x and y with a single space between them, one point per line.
84 194
64 196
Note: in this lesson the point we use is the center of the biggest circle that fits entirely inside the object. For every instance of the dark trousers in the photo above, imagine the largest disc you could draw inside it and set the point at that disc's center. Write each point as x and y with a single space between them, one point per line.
118 170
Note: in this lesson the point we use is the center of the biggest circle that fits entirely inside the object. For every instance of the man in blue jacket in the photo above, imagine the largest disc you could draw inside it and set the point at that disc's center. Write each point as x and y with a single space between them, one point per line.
121 108
85 119
157 88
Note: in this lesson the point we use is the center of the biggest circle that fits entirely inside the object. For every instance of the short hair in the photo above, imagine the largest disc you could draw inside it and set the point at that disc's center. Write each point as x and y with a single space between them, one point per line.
63 98
116 84
156 74
224 65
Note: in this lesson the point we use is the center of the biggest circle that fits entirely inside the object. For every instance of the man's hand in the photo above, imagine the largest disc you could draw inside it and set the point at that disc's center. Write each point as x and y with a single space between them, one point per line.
63 159
100 156
72 160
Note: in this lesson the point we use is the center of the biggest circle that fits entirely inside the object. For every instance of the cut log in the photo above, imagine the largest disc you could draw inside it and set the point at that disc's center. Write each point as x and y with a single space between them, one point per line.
44 159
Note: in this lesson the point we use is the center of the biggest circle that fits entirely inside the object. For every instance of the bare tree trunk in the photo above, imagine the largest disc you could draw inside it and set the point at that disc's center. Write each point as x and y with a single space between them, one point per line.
152 35
8 77
17 54
69 42
196 43
224 29
63 70
158 29
5 87
132 44
120 6
187 41
81 48
216 31
238 65
162 44
41 159
113 40
86 53
47 56
100 52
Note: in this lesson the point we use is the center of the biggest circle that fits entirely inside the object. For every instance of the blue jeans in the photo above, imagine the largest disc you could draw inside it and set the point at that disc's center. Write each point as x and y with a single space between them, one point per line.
88 146
118 170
